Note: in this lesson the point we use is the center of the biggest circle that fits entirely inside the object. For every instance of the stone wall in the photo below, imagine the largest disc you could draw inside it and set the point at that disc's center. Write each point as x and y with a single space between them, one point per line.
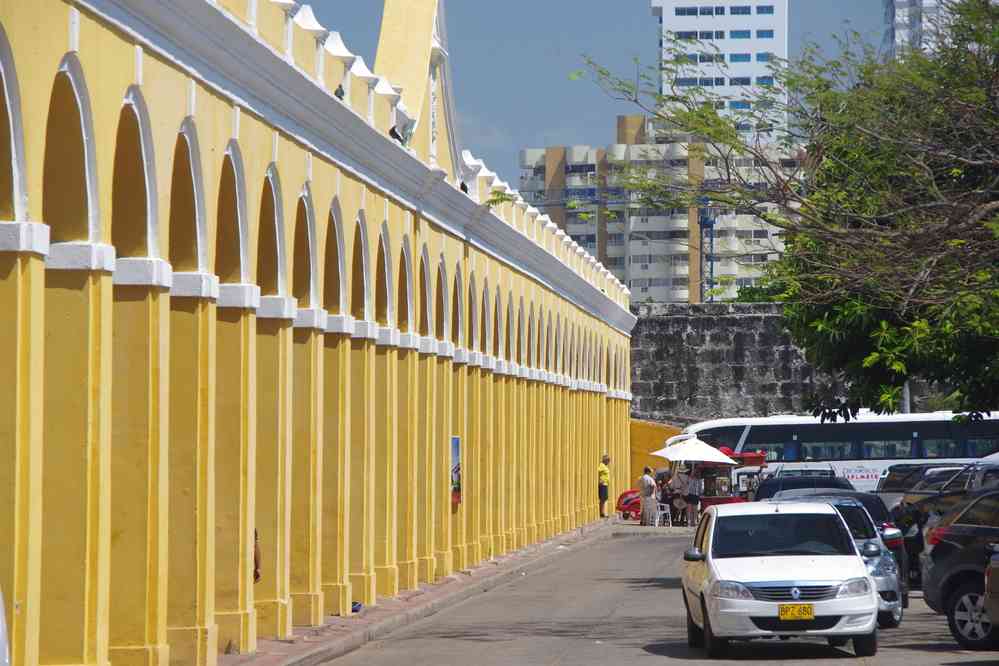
696 362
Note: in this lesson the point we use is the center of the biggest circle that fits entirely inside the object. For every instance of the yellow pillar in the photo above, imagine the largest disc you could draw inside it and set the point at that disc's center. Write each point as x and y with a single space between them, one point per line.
407 399
386 476
233 389
531 412
459 428
272 597
499 461
335 548
425 497
474 470
22 330
511 459
307 469
361 520
140 442
443 542
76 497
486 405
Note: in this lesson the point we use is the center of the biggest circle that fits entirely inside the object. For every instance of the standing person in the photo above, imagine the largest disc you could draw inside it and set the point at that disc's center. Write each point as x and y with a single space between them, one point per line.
695 488
678 485
603 483
647 491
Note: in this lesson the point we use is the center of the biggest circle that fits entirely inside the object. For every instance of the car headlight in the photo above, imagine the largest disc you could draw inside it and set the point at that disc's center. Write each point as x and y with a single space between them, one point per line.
727 589
855 587
882 566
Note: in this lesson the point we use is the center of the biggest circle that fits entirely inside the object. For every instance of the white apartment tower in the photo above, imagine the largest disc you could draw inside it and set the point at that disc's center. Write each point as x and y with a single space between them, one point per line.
910 23
748 35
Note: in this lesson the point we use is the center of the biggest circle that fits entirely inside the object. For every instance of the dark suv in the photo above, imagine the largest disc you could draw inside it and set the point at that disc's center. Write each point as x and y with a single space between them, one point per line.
953 563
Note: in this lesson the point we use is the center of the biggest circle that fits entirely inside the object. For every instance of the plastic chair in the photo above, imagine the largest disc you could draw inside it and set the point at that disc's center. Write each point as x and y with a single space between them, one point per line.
664 517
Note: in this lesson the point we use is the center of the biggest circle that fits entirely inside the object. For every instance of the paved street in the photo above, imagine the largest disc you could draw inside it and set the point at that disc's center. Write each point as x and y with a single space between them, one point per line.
618 602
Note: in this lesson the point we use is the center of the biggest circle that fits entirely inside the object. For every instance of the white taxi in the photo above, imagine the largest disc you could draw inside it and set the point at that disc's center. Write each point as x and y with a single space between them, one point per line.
762 570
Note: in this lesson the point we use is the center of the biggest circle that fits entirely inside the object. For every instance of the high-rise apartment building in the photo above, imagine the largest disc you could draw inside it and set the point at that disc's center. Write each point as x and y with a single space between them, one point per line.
662 255
746 36
910 23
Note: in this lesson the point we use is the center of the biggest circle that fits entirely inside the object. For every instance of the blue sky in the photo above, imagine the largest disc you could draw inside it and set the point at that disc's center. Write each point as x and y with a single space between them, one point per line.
512 60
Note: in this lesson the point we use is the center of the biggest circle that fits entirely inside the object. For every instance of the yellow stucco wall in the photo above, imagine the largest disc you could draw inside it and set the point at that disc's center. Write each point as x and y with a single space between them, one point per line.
227 325
646 437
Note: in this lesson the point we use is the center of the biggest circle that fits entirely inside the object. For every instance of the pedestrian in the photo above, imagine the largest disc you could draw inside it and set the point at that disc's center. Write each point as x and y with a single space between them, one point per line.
647 491
678 486
695 488
603 484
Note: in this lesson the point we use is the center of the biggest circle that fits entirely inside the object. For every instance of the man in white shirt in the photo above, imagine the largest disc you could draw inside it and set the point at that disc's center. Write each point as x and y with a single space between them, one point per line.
647 491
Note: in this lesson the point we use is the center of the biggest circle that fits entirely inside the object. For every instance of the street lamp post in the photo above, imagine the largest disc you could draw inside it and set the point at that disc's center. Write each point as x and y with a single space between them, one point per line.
706 221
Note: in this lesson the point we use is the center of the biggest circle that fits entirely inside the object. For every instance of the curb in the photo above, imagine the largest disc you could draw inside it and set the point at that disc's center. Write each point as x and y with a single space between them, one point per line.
587 535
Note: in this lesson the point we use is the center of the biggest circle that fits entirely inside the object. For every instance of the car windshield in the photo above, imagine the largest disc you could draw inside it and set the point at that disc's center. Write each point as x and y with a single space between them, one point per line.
934 480
779 534
799 473
857 520
771 486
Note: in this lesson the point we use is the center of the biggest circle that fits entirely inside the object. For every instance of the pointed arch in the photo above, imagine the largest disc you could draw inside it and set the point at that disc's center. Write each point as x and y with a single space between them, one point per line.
70 201
521 349
270 237
383 279
304 284
555 346
497 346
360 301
404 289
134 202
471 330
510 332
457 310
485 328
334 272
231 263
426 319
530 358
187 249
13 190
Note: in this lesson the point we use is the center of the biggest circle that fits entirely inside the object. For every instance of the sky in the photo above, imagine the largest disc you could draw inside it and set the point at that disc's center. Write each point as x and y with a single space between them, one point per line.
512 61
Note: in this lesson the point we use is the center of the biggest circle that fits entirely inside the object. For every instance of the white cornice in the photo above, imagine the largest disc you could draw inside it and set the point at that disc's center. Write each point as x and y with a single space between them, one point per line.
229 58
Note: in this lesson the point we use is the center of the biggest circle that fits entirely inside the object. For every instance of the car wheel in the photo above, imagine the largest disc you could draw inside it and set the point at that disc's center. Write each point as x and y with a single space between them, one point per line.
890 619
695 636
837 641
714 646
866 646
969 623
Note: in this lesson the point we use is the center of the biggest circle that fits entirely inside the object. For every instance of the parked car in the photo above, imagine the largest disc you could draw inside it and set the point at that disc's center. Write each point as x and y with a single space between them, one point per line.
891 536
772 485
629 504
954 563
896 480
767 569
992 584
795 469
922 507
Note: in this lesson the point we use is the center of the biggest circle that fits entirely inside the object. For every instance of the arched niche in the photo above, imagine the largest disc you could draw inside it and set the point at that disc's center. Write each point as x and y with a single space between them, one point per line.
333 270
360 307
187 247
404 289
270 237
383 279
304 287
13 191
230 230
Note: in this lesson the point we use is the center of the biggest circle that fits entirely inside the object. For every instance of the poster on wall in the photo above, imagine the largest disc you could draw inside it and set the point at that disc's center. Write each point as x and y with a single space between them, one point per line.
456 470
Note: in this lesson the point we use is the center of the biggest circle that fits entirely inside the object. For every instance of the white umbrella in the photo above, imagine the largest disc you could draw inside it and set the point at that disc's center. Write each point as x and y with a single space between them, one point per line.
693 449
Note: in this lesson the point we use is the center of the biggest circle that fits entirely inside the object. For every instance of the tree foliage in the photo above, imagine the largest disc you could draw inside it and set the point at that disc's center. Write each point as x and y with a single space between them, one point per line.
883 176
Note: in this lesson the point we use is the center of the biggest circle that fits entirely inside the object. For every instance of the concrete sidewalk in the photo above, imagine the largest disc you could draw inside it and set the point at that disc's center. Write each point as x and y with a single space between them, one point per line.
340 635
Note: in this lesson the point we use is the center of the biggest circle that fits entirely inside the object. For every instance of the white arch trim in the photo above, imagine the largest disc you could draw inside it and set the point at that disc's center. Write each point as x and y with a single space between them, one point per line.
189 132
407 267
235 156
274 178
71 67
310 222
135 100
361 228
336 228
12 93
385 242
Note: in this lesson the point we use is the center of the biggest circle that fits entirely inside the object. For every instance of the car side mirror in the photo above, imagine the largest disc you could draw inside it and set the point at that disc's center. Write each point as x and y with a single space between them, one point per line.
871 550
693 555
891 534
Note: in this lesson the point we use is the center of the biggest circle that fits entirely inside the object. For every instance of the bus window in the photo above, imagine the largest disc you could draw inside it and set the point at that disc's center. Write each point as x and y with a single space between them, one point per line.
719 437
943 448
897 448
827 450
981 447
775 452
777 441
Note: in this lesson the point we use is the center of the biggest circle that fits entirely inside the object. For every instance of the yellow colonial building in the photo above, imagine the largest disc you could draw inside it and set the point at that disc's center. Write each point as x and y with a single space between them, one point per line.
253 289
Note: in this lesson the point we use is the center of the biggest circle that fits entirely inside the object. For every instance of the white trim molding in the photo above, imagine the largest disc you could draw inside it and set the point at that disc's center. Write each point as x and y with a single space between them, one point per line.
24 237
365 330
388 337
445 349
277 307
340 324
475 359
409 341
489 362
243 296
428 345
501 367
461 356
195 285
143 272
81 256
314 318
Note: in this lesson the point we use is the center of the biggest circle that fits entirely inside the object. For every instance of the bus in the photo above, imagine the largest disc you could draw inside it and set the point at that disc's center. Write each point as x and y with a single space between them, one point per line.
860 449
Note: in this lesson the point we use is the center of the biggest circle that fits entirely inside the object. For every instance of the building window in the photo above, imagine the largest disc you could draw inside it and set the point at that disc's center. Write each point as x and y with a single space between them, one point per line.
740 34
707 11
681 282
764 57
707 82
659 282
739 81
738 57
739 105
692 58
688 34
580 168
764 34
615 239
719 11
741 10
719 34
686 82
614 262
764 80
685 11
720 81
765 9
707 34
680 162
711 57
743 127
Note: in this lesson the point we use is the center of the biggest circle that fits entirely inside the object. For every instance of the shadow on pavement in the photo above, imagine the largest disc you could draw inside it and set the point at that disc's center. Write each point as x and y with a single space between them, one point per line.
660 583
754 651
628 630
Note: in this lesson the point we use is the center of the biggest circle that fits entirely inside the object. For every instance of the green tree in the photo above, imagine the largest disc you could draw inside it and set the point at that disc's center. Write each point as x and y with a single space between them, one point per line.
883 177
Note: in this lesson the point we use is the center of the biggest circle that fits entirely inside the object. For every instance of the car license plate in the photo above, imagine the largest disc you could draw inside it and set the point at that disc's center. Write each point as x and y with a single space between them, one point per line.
796 612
